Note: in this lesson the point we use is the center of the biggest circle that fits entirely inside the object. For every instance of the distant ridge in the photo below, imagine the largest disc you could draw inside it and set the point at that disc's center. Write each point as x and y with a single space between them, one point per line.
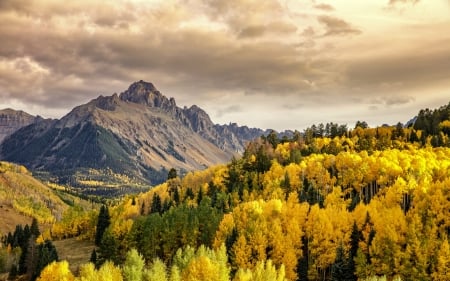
137 136
12 120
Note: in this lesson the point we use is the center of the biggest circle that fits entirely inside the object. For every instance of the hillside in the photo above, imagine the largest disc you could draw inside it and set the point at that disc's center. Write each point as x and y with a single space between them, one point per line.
346 204
128 140
333 204
23 197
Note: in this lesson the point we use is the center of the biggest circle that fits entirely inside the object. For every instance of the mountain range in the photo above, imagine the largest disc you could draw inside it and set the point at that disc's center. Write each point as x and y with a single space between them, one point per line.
132 138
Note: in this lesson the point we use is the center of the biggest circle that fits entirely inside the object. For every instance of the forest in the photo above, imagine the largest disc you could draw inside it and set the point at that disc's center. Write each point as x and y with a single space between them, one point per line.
330 203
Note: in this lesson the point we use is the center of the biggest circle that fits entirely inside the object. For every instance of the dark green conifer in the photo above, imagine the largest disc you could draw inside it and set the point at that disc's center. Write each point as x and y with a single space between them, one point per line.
103 222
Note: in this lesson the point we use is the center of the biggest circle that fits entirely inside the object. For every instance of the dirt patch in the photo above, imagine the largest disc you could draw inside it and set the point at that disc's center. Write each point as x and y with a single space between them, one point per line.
9 218
74 251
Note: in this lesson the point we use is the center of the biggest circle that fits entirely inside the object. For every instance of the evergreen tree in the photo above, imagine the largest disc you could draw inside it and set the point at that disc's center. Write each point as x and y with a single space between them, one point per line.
172 174
23 259
272 138
199 196
176 196
189 193
93 258
103 222
108 249
166 206
46 253
35 228
340 270
302 265
143 208
361 124
156 206
354 245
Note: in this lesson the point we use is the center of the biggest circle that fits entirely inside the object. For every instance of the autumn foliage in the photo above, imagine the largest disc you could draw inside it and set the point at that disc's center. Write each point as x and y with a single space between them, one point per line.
328 204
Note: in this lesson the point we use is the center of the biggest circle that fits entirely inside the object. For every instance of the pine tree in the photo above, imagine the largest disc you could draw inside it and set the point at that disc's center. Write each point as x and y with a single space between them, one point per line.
302 265
172 174
340 270
156 206
46 254
103 222
108 249
176 196
93 258
199 196
354 245
34 229
189 193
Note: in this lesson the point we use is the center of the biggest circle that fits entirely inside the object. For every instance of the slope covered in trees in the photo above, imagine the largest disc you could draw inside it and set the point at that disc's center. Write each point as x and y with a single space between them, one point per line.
23 197
329 204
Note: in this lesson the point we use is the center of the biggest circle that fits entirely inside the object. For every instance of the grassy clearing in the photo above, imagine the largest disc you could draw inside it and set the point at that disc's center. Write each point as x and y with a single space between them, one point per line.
9 218
74 251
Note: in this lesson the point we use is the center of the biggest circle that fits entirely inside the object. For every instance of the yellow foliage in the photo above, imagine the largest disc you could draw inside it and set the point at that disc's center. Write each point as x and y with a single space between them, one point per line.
201 268
273 224
56 271
445 124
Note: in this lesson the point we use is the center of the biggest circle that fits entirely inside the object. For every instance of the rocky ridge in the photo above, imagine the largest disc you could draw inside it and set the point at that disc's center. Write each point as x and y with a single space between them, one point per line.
139 133
12 120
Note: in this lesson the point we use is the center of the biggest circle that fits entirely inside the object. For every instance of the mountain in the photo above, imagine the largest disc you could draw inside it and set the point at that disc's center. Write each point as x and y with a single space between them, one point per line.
12 120
129 139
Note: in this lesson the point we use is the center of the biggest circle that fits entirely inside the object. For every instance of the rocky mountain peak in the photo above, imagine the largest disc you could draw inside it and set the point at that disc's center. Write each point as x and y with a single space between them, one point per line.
142 92
107 103
12 120
198 118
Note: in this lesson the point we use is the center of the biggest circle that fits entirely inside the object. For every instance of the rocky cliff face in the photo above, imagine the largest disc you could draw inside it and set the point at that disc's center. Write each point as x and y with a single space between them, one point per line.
139 133
12 120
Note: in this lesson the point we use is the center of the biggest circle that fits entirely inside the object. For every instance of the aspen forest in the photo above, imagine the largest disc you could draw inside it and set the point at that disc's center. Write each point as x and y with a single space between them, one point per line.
330 203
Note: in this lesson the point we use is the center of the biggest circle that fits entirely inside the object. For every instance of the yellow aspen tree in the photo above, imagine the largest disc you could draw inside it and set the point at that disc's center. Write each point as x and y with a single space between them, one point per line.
56 271
109 272
201 268
87 272
157 271
224 230
242 252
321 246
442 269
175 274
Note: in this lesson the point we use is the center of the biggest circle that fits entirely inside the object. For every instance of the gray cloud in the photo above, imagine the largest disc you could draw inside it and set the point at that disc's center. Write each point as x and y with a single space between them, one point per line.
423 68
324 7
228 110
392 100
101 46
260 30
55 55
335 26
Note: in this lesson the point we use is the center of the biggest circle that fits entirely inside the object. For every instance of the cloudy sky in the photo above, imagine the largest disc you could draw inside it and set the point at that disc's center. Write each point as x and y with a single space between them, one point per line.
282 64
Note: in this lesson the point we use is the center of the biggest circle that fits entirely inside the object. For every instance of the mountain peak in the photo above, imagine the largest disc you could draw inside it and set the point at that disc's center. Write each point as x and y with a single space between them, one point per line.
141 84
12 120
142 92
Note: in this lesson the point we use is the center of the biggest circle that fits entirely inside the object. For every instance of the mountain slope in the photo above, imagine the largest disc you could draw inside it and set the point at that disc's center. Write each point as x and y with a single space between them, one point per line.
22 197
134 138
12 120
